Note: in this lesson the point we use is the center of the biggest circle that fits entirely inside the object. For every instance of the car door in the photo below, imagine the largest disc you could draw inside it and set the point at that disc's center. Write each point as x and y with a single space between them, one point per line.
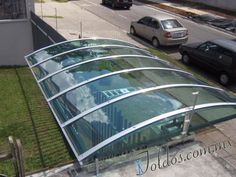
152 29
205 54
141 26
224 60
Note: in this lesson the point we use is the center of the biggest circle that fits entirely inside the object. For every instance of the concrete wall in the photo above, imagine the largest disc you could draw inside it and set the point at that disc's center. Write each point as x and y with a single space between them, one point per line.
16 39
223 4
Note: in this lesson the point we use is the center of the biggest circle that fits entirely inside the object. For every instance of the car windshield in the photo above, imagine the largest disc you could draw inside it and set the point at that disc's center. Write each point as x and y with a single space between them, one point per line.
171 23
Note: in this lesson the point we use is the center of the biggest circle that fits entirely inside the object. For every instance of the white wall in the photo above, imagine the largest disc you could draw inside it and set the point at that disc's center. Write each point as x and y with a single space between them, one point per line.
16 39
223 4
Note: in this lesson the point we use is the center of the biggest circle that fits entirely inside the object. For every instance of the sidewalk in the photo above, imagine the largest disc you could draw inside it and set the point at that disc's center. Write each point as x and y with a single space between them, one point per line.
73 21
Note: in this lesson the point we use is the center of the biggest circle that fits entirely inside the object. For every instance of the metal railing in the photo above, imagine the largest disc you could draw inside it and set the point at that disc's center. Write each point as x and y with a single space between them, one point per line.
43 34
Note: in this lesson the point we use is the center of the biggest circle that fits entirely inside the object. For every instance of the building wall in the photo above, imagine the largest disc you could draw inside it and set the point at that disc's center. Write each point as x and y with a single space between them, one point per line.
16 41
16 38
223 4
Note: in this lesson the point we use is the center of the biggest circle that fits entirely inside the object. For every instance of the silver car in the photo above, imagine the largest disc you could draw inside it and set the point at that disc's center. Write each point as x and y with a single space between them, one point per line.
161 30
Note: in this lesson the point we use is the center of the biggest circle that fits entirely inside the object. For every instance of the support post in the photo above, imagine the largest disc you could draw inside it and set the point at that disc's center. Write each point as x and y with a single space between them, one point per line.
189 115
97 167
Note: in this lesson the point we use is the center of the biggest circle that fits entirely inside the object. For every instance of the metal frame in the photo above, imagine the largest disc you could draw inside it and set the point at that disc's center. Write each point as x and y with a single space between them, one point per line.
146 123
100 58
87 47
70 121
129 130
73 40
111 74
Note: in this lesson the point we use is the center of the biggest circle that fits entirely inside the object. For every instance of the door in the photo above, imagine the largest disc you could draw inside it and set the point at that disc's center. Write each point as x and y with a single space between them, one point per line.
141 26
152 29
206 55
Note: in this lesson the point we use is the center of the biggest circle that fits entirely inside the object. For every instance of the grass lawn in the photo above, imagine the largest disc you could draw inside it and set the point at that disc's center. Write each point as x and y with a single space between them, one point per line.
29 119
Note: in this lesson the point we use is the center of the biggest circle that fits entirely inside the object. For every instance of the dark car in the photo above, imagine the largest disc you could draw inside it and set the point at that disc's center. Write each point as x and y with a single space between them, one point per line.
203 18
229 25
218 56
118 3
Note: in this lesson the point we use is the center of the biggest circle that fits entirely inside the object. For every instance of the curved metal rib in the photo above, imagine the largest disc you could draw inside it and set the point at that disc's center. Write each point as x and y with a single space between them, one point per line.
73 40
111 74
146 123
87 47
96 59
70 121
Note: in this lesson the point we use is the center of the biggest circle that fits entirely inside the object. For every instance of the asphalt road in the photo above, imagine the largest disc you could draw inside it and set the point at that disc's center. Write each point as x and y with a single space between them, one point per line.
122 19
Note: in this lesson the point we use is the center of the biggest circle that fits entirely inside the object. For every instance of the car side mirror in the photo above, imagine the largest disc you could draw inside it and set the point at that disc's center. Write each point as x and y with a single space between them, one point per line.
206 49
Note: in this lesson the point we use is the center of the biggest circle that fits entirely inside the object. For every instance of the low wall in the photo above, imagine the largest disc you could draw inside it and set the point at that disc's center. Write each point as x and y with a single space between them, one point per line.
223 4
16 41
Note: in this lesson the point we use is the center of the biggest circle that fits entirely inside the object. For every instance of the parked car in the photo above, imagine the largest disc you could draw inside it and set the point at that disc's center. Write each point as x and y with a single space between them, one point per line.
205 18
229 25
119 3
218 56
161 30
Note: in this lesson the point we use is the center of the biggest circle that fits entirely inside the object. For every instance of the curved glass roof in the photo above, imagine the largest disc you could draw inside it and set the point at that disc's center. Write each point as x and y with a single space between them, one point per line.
110 96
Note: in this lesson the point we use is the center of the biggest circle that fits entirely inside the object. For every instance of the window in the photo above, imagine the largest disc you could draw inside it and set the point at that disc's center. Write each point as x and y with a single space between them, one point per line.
171 23
153 24
12 9
144 20
209 47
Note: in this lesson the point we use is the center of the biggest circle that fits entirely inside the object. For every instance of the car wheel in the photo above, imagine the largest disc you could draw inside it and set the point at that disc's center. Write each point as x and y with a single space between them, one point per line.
224 79
132 31
155 42
103 2
113 5
185 59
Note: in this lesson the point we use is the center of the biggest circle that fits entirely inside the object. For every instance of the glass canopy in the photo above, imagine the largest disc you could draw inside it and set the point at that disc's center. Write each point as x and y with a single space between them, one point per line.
110 97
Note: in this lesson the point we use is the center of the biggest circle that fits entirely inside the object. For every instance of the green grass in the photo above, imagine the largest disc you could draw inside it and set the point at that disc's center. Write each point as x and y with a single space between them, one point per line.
15 120
61 0
51 16
39 1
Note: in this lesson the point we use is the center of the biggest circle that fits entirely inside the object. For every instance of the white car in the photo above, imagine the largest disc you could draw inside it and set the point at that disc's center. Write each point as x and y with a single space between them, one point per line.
161 30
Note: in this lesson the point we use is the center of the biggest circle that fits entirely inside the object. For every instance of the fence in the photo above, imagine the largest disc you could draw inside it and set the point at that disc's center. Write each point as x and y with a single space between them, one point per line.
43 34
15 156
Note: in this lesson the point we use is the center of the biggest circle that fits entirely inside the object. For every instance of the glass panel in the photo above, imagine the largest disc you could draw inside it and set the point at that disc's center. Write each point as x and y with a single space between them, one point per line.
119 116
68 78
102 90
71 58
54 50
170 24
157 133
133 110
206 117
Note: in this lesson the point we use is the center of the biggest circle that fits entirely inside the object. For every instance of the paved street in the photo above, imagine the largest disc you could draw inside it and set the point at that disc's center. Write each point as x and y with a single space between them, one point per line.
88 18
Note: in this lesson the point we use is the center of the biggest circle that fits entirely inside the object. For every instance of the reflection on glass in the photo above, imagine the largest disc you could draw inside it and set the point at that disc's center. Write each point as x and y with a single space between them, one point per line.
157 133
59 48
68 78
69 59
102 90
